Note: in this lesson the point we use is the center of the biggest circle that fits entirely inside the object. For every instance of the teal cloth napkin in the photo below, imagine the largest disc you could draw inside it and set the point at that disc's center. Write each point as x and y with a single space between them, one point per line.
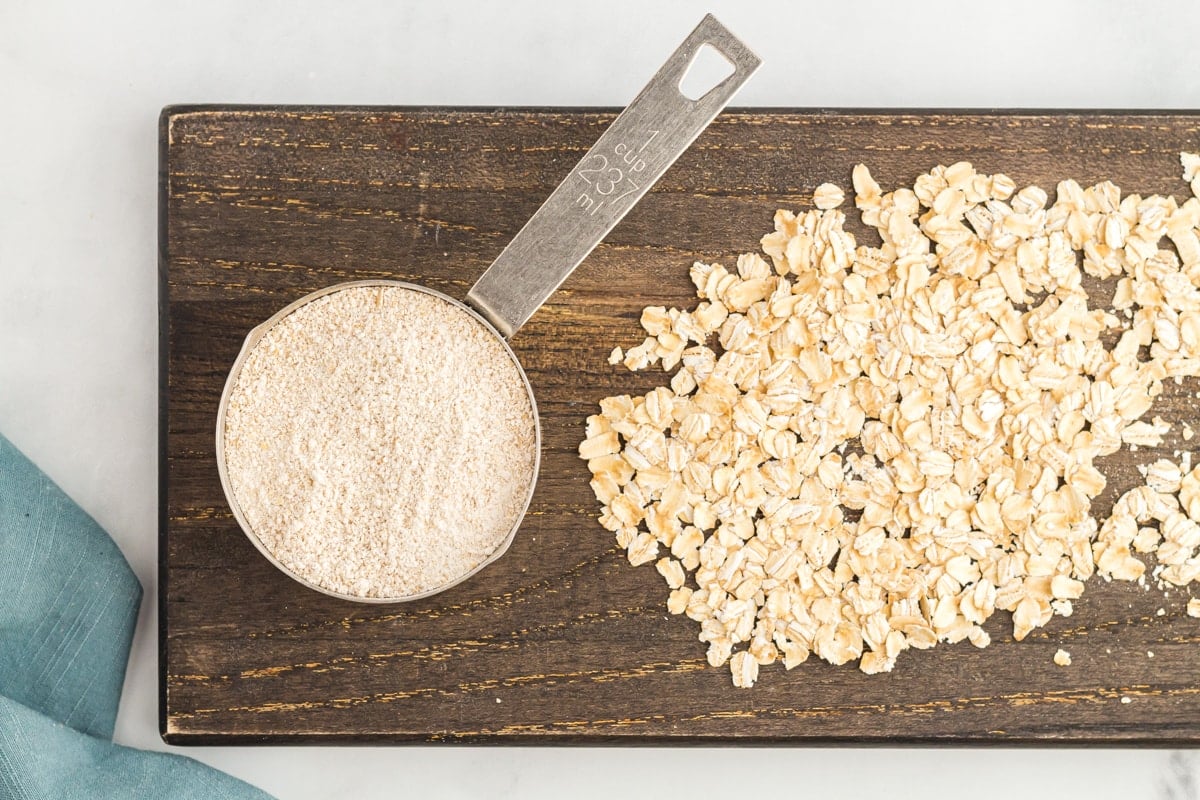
68 604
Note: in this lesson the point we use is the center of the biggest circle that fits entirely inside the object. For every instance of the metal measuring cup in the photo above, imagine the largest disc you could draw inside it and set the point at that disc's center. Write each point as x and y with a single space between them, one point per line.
632 154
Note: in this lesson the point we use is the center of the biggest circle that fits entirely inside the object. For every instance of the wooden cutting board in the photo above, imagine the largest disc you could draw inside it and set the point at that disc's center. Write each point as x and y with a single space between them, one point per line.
561 640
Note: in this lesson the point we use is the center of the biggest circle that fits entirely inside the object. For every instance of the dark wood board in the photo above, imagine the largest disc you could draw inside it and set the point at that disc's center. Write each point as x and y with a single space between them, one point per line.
561 640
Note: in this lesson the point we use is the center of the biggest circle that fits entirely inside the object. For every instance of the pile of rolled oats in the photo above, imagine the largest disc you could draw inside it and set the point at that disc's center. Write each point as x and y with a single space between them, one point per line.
886 445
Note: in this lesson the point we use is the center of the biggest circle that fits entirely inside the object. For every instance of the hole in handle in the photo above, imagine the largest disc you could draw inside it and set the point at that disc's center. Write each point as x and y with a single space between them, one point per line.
708 68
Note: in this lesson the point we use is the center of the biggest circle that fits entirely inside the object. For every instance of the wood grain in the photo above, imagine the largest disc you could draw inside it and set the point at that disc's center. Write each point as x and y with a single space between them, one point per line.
561 640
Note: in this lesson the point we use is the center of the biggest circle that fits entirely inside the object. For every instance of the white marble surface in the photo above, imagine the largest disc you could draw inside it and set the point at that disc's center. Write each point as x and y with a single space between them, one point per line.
81 85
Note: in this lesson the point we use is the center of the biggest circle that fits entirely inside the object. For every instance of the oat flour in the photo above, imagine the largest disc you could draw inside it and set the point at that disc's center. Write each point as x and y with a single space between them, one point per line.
380 442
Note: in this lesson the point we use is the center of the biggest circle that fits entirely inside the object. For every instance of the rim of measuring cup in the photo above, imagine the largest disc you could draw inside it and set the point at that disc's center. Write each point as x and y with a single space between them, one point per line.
235 371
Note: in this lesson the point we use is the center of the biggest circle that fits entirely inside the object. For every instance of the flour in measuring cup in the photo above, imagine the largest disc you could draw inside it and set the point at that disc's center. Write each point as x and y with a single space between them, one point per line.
380 441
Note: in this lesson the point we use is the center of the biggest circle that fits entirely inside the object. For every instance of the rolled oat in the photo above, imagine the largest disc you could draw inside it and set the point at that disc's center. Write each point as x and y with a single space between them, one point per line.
869 449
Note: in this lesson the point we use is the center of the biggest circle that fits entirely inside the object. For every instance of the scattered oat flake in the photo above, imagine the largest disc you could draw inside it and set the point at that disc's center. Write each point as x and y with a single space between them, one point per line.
745 669
616 356
1193 607
1191 165
828 196
1062 658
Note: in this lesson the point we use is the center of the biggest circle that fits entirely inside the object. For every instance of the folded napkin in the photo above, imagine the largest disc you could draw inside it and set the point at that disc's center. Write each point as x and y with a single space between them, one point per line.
68 604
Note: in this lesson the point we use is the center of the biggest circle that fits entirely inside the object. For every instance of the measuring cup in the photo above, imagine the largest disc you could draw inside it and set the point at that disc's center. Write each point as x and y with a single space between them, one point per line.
631 155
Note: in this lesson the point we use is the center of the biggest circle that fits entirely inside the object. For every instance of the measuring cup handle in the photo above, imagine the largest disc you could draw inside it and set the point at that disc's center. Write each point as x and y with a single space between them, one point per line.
631 155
